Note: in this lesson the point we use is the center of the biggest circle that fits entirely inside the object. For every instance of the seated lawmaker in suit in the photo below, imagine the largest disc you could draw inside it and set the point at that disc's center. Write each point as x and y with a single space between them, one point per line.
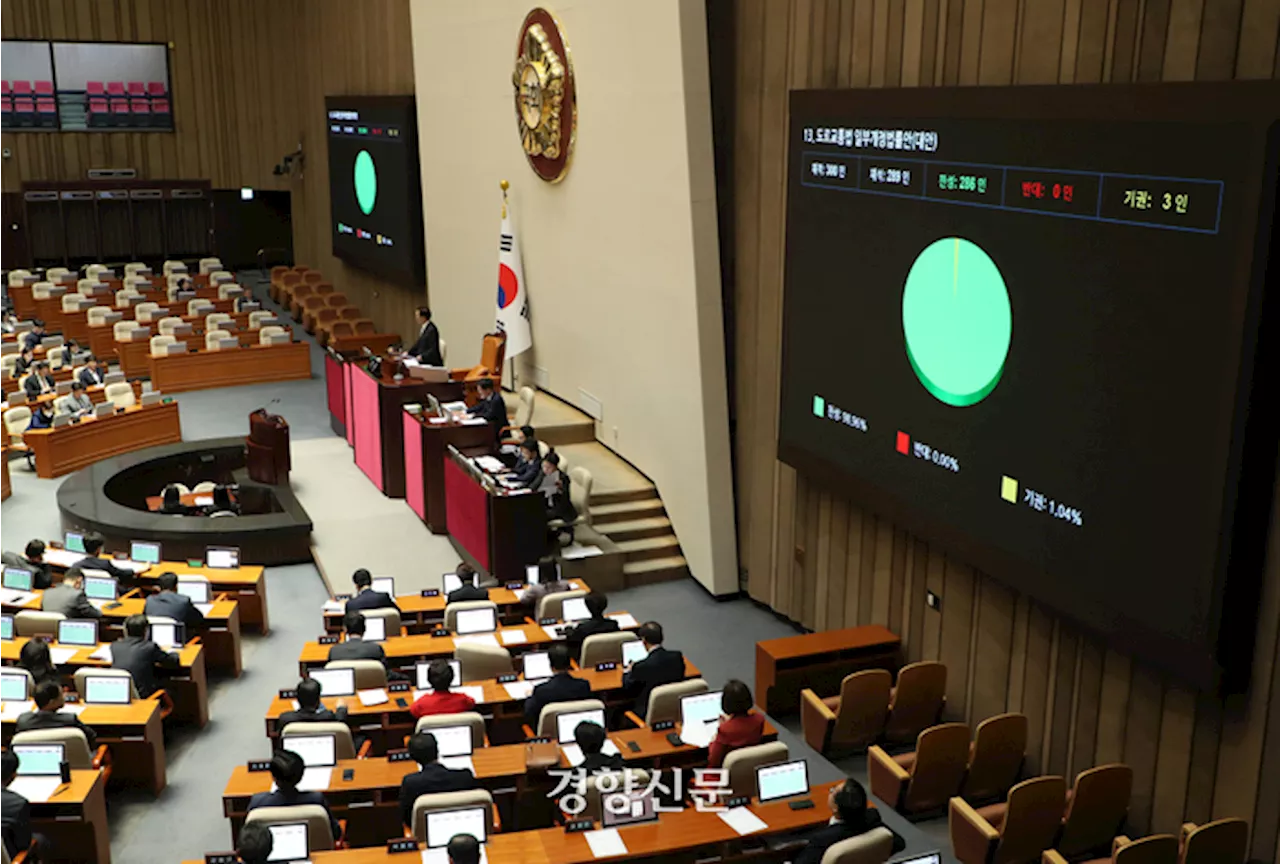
431 778
40 380
739 725
355 648
31 560
41 416
170 604
560 687
171 502
528 467
310 708
441 700
659 667
848 802
35 335
48 714
35 657
255 844
140 656
78 403
596 602
469 590
366 597
92 375
590 739
93 560
426 349
67 597
15 811
287 769
490 406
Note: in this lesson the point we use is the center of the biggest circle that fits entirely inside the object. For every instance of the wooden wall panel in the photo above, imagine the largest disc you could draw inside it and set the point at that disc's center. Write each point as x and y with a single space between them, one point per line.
1195 756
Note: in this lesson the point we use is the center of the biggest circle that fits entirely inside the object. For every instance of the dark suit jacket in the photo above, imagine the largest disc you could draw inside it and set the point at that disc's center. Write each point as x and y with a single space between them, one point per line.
285 798
492 409
89 563
827 836
320 715
427 346
54 720
660 667
578 633
140 657
15 822
527 472
39 569
69 601
561 687
370 599
170 604
358 649
89 378
430 780
467 592
32 339
603 762
32 385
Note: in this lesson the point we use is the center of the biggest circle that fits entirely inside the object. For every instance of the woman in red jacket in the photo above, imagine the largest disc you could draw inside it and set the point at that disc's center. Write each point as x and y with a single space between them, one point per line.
739 725
441 700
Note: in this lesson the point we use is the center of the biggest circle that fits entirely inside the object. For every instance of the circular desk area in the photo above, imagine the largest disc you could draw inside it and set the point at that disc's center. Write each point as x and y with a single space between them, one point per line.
110 497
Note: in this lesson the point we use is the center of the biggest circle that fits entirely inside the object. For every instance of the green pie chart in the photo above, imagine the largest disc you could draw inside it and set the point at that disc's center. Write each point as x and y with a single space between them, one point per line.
366 180
956 321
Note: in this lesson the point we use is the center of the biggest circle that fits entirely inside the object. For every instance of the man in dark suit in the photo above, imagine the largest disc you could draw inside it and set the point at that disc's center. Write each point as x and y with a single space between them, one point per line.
15 811
490 406
596 603
31 559
848 802
93 544
366 597
287 769
255 844
427 346
138 654
560 687
468 590
170 604
32 340
432 777
49 702
528 467
355 648
463 849
67 597
40 381
590 739
91 375
660 667
310 708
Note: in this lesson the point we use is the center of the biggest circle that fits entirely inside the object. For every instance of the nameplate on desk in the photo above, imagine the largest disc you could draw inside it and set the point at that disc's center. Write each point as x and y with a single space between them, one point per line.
541 739
577 826
342 597
71 698
259 765
514 586
194 562
288 694
607 666
430 592
397 686
398 756
402 844
507 679
328 640
222 858
440 631
544 622
737 801
663 725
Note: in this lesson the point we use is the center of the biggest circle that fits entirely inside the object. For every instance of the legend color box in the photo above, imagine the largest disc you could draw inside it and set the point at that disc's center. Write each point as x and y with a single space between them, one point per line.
904 443
819 406
1009 489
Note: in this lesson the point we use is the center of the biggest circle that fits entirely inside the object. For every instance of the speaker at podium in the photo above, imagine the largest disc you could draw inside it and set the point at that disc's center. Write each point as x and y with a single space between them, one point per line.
268 443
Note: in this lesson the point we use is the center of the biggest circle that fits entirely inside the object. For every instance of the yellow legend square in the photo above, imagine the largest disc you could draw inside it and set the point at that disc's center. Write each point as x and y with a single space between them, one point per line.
1009 489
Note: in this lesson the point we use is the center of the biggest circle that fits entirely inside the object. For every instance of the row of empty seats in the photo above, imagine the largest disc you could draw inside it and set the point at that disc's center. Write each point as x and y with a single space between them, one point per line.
323 311
132 89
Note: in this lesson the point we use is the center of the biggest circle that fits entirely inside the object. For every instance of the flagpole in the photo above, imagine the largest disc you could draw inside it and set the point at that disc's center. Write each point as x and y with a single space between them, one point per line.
511 364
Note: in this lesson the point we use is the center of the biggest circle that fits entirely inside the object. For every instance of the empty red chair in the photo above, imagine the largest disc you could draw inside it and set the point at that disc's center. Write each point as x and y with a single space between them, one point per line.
6 104
46 106
115 88
140 106
6 88
159 106
156 88
24 106
95 88
44 88
21 88
137 88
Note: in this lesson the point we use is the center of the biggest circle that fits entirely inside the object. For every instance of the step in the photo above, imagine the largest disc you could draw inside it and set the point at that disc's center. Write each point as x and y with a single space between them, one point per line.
618 496
645 548
636 573
625 511
636 529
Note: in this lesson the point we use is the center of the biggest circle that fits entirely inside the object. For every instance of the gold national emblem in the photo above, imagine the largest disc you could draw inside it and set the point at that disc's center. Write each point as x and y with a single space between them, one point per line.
544 94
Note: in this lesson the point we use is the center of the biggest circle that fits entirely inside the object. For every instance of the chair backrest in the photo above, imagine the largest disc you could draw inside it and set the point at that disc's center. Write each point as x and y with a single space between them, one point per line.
547 719
218 277
451 610
42 290
603 647
390 618
942 755
55 274
208 265
740 765
71 302
463 718
123 329
133 268
265 333
364 327
213 321
7 362
121 395
126 297
1222 842
524 410
29 622
82 674
159 342
864 706
580 491
174 266
664 700
1032 820
319 830
143 311
493 351
345 744
1156 849
167 324
480 662
204 486
76 746
425 804
312 277
871 847
917 700
996 760
16 421
197 306
444 352
1099 803
86 286
256 318
370 674
213 337
341 330
552 605
57 357
597 786
97 315
18 277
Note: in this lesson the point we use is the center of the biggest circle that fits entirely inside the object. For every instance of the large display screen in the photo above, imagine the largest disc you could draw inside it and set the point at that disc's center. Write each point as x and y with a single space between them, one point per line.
374 191
1032 339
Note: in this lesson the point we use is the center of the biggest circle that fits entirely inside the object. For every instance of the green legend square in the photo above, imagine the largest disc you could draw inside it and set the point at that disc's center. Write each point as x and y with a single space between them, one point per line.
1009 489
819 406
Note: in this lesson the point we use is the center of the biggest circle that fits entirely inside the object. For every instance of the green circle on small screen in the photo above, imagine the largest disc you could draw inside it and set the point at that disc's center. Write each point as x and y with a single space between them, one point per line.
366 178
956 321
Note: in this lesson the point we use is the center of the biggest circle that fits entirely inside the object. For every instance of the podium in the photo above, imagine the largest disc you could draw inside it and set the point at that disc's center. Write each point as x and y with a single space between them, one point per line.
268 443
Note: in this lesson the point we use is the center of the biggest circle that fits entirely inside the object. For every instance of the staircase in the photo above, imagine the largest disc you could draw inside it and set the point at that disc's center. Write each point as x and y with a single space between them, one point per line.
636 521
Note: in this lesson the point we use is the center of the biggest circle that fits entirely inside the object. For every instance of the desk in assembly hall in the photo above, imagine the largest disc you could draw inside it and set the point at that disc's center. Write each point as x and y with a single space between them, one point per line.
426 443
419 614
256 364
97 393
819 661
5 489
69 448
499 531
74 819
132 354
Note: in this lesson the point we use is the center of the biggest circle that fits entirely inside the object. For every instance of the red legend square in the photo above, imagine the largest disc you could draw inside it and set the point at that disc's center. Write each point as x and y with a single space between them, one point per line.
904 443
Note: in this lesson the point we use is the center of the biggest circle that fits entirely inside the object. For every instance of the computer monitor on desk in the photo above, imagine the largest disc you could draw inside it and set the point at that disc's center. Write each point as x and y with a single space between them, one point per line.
6 628
107 690
13 686
444 825
63 388
145 553
278 338
575 609
73 541
290 843
622 808
113 378
106 409
40 760
317 751
375 629
475 621
537 666
169 635
102 587
567 723
228 343
782 780
81 633
450 582
17 579
385 584
196 589
335 682
222 557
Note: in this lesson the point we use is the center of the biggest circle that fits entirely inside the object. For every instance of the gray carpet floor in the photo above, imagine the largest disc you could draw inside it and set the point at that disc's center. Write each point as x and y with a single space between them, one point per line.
186 820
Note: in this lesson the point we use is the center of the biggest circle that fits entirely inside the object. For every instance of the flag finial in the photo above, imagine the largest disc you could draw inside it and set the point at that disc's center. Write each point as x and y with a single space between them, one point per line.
505 184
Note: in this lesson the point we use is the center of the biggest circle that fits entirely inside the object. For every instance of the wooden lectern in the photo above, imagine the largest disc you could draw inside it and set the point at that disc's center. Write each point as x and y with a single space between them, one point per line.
268 443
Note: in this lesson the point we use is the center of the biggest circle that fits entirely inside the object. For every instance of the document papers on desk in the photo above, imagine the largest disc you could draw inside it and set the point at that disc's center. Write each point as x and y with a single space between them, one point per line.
206 609
490 464
513 637
37 790
742 820
12 597
376 696
477 639
72 709
14 710
519 689
573 752
606 843
103 653
61 656
476 693
314 779
456 762
625 620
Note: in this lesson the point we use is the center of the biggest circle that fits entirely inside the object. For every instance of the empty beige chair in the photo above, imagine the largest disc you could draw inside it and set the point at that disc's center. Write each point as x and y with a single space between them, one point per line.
127 297
45 290
20 277
265 333
206 487
218 277
256 318
926 778
524 408
169 322
7 364
89 287
95 271
1022 829
580 481
1222 842
57 274
481 662
133 268
122 331
141 284
552 605
75 745
71 303
444 353
97 315
451 611
547 718
465 718
917 701
209 265
995 759
319 831
57 357
664 700
1097 807
390 618
740 765
449 801
214 320
604 647
171 267
1156 849
29 622
16 421
82 675
873 847
227 290
121 395
144 311
345 744
212 338
370 674
600 786
198 307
